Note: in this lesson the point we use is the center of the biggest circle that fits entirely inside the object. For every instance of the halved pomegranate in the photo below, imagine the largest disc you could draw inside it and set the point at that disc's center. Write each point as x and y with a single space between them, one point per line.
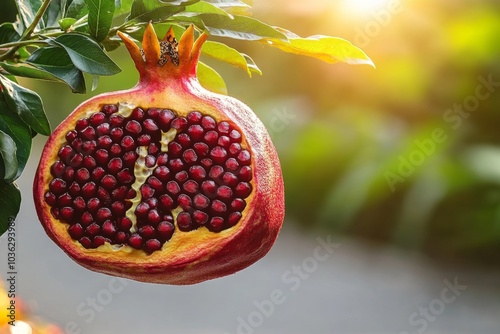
166 182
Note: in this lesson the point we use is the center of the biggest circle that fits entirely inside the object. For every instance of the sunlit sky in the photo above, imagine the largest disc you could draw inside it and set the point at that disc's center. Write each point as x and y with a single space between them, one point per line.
365 7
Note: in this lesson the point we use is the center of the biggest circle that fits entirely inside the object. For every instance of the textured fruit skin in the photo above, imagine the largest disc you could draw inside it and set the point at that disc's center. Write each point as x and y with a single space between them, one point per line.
198 255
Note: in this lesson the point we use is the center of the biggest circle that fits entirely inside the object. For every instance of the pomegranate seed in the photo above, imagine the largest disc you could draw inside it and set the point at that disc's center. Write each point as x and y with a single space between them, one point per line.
88 133
135 241
57 168
128 143
224 141
152 245
119 193
137 114
57 186
176 165
147 191
92 230
66 153
64 200
211 138
207 162
218 206
121 237
142 210
224 192
103 129
103 214
200 217
153 149
89 189
115 165
104 142
124 176
98 173
232 164
208 123
189 156
155 183
201 201
152 202
223 127
133 127
144 140
229 179
245 173
174 148
116 134
184 140
165 230
195 131
79 204
81 124
93 204
74 189
218 154
209 188
184 201
118 208
216 172
71 135
108 228
124 224
216 224
102 157
50 198
179 123
104 196
184 221
115 150
69 174
190 186
129 158
99 241
243 189
147 232
82 175
154 112
244 157
154 217
234 148
86 219
89 146
166 202
89 162
55 212
233 219
67 213
116 120
76 231
150 161
235 136
197 172
194 117
97 118
85 241
164 118
201 149
109 109
162 173
150 125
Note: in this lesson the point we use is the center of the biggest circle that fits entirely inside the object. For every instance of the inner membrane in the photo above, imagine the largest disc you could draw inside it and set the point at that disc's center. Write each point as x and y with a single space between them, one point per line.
130 176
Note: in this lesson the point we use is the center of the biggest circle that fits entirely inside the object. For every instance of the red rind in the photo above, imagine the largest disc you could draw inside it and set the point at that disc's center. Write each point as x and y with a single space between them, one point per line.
198 255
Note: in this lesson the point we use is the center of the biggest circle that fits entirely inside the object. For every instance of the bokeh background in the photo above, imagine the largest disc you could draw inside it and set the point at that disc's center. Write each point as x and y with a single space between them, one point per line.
398 165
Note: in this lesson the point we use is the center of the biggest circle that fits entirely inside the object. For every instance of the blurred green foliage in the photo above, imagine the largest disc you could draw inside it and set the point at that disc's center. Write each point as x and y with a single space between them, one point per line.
344 132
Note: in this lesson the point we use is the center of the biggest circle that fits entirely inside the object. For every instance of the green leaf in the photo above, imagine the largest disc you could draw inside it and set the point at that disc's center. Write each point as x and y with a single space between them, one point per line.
241 27
27 10
10 202
53 13
100 17
210 79
8 33
77 9
13 126
156 10
86 54
222 52
123 7
8 154
326 48
204 7
27 104
69 74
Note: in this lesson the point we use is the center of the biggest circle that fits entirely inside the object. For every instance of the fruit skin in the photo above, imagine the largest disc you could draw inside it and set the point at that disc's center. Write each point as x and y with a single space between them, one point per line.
189 257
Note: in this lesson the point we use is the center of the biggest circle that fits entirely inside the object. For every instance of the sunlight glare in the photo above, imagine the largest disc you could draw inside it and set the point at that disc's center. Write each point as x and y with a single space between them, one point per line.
364 7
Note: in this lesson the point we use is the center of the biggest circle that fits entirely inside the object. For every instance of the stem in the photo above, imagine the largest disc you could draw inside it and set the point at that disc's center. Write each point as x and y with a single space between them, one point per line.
27 33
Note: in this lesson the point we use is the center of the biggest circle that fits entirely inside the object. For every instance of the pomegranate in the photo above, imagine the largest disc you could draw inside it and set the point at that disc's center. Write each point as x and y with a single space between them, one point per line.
166 182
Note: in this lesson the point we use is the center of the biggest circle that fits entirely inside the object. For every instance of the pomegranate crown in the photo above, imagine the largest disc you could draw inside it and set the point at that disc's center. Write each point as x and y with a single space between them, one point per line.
166 57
